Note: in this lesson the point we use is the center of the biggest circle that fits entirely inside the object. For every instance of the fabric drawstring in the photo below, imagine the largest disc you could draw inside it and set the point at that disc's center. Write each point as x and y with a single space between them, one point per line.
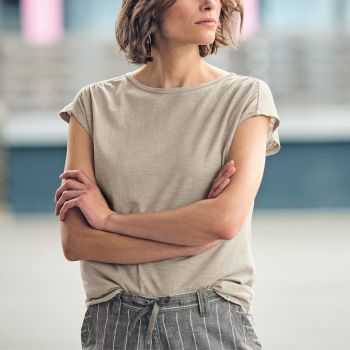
155 309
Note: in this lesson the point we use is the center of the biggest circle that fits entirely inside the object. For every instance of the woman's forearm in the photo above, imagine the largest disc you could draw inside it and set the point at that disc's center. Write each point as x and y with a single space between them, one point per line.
96 245
195 224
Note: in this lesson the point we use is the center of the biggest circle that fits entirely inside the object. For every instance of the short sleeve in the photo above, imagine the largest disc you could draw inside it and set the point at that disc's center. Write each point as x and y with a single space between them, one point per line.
80 106
262 103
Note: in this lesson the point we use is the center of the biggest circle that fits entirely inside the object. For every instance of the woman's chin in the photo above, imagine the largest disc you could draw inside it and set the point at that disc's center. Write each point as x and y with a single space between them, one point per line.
206 41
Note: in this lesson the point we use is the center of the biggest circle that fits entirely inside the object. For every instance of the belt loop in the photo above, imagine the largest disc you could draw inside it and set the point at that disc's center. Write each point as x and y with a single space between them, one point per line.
202 302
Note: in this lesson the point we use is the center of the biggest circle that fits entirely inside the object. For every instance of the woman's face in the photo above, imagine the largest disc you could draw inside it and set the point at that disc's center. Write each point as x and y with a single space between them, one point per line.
179 22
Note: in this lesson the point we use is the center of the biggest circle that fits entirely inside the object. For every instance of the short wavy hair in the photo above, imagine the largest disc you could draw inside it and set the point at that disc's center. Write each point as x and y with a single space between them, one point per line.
138 19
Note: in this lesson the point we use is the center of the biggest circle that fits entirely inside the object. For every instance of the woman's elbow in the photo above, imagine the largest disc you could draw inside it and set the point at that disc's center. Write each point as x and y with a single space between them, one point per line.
68 240
231 223
221 220
224 226
68 254
72 233
228 230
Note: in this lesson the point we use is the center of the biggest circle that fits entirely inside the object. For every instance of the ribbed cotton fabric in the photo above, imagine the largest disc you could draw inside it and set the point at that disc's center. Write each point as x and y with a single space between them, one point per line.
161 148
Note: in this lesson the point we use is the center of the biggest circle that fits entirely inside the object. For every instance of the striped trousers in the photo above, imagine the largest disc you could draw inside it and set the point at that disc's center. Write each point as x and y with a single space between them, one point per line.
201 320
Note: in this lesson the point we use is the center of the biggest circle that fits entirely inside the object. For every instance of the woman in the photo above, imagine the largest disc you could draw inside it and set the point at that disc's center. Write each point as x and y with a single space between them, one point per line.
150 204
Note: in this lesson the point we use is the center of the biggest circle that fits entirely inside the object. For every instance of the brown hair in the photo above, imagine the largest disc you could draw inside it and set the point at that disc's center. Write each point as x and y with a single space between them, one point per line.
138 19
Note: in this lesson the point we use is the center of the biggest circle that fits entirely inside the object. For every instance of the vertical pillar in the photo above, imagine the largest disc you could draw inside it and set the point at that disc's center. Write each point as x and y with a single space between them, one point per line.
1 14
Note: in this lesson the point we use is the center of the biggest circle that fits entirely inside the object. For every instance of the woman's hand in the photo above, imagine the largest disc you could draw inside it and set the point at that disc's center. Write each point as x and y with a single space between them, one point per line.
80 191
219 184
222 179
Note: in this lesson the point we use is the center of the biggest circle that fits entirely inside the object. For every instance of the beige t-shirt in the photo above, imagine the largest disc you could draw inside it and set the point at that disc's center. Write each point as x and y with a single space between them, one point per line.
161 148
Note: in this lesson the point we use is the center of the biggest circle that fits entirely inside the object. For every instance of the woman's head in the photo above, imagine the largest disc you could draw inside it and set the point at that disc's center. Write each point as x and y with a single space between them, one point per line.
173 22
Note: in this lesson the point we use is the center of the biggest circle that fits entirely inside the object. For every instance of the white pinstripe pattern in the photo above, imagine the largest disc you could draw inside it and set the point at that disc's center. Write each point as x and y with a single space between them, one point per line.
151 342
89 333
158 330
166 333
178 327
165 329
233 334
127 330
194 338
98 308
217 319
138 336
104 332
206 331
244 333
115 330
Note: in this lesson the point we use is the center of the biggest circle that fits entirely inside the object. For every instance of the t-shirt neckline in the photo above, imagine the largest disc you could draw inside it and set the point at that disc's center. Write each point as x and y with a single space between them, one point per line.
181 89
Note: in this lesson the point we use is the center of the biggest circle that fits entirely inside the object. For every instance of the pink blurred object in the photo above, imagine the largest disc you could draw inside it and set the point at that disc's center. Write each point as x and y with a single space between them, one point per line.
42 21
251 21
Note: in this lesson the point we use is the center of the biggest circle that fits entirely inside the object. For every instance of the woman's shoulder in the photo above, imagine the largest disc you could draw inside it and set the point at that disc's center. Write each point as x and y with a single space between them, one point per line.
247 84
240 83
106 85
245 79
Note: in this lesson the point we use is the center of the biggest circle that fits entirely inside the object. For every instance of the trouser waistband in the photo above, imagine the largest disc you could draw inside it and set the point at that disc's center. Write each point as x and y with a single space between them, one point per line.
201 297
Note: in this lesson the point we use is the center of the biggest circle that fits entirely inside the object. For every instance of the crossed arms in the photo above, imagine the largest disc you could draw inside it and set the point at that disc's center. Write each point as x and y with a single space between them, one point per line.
144 237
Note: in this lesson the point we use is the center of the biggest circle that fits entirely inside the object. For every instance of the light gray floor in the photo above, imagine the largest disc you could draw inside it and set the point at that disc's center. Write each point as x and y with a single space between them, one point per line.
301 296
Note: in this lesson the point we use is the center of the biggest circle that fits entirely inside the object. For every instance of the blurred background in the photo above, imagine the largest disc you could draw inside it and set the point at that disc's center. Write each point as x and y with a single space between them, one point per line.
51 48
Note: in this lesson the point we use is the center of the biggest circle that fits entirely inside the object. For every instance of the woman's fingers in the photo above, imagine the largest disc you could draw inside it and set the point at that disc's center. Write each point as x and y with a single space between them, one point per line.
66 195
78 174
220 187
227 171
221 181
68 205
69 184
226 167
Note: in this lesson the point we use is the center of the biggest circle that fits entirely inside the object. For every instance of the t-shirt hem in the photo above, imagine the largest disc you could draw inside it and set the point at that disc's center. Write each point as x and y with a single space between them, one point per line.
106 297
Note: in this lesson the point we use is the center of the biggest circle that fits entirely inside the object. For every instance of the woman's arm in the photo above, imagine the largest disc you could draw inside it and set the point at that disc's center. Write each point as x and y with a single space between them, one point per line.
90 244
82 242
214 218
198 223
